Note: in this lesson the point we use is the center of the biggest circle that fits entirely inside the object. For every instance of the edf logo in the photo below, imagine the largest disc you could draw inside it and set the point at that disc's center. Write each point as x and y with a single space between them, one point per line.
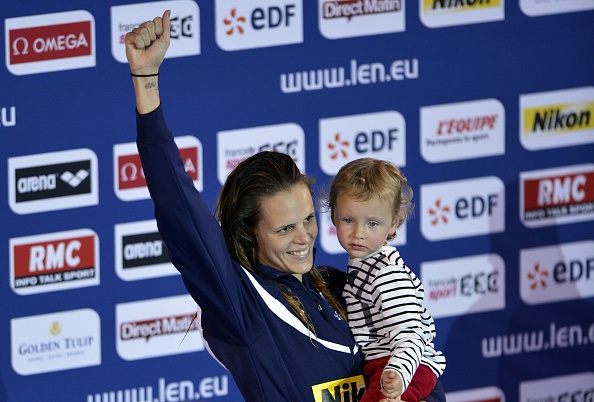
557 272
379 135
462 208
249 24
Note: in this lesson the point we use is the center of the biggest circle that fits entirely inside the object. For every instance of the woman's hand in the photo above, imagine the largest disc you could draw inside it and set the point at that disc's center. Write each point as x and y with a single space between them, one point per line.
146 45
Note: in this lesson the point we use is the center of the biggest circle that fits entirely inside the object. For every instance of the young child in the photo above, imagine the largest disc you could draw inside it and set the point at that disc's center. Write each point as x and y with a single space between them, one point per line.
369 199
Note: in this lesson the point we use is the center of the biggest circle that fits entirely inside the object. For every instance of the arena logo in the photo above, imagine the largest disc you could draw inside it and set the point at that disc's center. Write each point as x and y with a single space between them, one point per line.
157 327
380 135
445 13
55 342
463 130
251 24
233 146
185 26
350 18
50 42
8 117
557 119
486 394
462 208
53 262
537 8
140 252
557 273
557 196
329 241
129 181
573 387
53 181
464 285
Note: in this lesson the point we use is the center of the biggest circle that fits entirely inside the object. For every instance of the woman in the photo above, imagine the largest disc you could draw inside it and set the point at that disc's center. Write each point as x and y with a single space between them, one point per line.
267 315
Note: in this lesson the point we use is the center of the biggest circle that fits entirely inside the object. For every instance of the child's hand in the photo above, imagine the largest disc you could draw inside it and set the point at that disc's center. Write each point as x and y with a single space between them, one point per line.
392 385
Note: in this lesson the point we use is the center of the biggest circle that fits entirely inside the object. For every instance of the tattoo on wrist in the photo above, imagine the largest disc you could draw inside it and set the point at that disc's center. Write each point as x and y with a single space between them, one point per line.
150 85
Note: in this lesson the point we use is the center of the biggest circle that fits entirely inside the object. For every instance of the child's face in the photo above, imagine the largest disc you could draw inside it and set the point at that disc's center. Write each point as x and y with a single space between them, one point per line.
362 226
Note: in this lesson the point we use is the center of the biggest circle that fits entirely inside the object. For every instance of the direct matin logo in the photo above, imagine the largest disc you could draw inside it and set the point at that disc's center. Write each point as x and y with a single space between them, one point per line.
53 181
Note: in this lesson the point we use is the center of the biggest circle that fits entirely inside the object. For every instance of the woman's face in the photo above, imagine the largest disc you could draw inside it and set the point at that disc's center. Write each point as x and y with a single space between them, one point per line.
287 231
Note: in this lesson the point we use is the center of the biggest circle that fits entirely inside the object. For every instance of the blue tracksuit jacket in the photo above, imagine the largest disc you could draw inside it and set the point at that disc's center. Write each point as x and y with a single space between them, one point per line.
245 320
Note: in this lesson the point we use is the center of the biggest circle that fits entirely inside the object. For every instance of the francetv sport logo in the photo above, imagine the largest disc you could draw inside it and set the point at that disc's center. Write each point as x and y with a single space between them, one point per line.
53 181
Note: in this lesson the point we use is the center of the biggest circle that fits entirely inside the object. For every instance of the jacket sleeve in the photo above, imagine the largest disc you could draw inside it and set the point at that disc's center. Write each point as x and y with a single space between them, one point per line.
437 395
192 235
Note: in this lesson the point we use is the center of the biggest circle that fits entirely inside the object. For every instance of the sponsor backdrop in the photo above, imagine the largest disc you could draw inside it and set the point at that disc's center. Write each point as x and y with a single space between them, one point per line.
487 106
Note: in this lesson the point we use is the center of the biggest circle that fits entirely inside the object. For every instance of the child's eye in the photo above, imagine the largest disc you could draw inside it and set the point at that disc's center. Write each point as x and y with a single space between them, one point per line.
373 224
347 220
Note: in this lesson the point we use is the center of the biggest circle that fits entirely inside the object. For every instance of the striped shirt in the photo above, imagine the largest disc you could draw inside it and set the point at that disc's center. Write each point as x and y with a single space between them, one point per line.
387 316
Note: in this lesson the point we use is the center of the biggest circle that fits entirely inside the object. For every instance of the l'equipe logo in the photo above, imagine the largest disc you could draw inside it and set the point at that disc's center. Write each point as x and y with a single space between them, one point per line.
462 130
53 181
50 42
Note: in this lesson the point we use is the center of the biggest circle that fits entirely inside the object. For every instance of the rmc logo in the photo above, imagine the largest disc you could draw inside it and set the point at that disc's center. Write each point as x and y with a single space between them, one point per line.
557 196
251 24
380 135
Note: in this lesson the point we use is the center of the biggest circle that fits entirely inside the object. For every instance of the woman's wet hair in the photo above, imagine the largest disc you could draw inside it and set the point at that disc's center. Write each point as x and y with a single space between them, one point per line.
239 210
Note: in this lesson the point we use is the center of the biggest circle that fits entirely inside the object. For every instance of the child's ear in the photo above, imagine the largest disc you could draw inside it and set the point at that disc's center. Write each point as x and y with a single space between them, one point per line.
394 225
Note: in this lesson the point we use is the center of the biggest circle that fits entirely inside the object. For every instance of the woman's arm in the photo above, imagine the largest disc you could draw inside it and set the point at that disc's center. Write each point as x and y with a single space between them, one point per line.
437 395
145 50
